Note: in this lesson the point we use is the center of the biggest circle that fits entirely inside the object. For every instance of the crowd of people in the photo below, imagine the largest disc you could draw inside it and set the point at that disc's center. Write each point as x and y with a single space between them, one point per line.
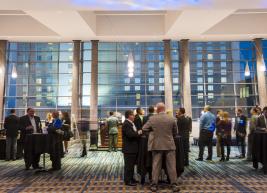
57 126
158 125
222 126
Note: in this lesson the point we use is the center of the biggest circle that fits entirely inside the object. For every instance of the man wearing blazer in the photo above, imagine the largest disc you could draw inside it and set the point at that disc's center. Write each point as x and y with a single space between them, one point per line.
130 139
261 122
138 119
163 129
30 124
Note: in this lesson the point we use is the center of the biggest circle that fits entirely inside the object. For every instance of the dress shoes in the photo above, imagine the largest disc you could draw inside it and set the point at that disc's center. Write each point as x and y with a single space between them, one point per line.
37 167
199 159
130 184
153 188
175 188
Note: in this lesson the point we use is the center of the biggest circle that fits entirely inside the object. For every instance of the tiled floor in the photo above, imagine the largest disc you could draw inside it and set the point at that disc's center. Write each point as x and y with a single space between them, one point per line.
101 172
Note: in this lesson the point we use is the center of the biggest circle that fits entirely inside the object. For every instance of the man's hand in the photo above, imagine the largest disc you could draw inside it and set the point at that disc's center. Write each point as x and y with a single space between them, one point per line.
59 131
140 132
29 127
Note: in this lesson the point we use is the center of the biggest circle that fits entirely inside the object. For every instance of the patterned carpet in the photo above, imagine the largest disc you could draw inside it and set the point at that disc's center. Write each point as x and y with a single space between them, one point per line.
101 172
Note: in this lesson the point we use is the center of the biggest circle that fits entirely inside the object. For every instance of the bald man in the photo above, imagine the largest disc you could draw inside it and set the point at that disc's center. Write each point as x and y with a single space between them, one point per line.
163 129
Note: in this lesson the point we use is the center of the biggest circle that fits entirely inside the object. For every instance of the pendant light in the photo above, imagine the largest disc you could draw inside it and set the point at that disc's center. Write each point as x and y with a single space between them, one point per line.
247 71
130 65
14 73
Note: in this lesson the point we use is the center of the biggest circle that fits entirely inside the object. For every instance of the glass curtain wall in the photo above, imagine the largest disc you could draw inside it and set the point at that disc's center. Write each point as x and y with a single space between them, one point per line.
85 83
264 50
44 74
117 91
218 76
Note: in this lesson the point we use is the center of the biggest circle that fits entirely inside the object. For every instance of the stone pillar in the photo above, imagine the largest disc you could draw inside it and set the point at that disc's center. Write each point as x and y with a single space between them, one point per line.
94 87
262 89
3 45
185 76
168 75
75 98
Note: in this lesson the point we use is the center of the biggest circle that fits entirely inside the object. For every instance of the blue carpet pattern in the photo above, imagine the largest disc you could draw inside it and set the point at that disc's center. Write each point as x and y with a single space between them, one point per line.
101 172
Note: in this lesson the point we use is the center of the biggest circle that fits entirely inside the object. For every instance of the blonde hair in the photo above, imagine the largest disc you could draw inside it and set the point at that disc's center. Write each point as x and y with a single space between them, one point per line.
49 116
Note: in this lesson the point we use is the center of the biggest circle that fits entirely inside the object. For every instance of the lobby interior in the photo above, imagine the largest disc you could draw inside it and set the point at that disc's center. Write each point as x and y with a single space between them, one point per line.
74 55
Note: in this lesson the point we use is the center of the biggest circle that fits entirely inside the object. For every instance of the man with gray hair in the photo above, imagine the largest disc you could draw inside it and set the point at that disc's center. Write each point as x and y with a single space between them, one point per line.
163 129
206 127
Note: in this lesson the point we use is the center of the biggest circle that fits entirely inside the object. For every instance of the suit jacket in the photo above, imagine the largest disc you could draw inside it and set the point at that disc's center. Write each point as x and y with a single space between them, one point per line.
147 117
184 125
241 126
163 129
130 138
25 122
138 122
260 123
11 125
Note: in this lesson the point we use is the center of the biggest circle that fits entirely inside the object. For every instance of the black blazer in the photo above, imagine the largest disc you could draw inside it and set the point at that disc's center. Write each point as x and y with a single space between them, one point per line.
138 122
184 125
241 127
11 125
25 122
130 138
261 122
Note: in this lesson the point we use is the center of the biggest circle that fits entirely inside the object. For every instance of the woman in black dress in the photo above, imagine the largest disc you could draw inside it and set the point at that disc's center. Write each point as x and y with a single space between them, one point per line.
66 123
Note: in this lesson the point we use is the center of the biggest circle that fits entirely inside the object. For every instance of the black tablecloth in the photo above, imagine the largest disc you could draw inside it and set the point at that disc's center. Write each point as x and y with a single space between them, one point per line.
259 149
38 143
3 149
145 158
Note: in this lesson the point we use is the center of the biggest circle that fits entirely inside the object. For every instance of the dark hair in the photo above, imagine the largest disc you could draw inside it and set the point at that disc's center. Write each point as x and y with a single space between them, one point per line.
28 109
258 109
65 115
111 113
254 109
182 110
12 111
138 110
151 109
128 113
264 108
239 110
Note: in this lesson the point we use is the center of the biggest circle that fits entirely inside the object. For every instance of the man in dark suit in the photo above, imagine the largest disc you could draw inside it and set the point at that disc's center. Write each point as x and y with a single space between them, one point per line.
138 120
261 122
241 132
11 124
30 124
130 139
184 124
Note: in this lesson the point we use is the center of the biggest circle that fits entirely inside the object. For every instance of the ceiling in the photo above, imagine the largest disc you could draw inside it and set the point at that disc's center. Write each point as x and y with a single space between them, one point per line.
132 20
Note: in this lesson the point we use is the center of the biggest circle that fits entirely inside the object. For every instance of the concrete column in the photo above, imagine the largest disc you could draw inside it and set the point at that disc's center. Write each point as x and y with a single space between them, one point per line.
75 98
94 87
168 75
262 89
185 76
3 45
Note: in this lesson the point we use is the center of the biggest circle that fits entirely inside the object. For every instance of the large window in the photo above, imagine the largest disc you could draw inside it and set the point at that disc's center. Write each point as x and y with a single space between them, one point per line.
86 79
264 50
116 90
218 76
44 74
